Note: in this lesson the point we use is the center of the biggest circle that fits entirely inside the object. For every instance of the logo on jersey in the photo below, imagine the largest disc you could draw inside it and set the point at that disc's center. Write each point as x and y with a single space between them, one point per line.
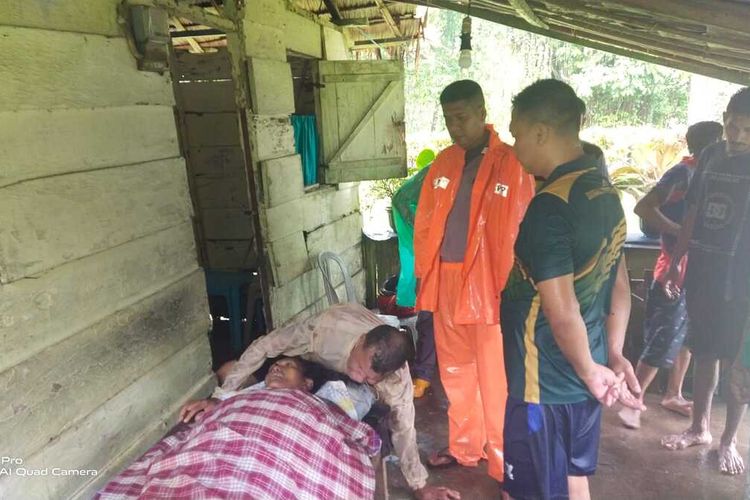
441 183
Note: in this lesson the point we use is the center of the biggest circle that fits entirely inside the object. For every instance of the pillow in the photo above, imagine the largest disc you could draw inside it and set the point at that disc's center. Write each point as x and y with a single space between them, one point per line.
354 399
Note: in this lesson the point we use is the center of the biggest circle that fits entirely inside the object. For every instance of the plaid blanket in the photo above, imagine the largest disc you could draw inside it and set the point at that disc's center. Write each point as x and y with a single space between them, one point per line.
266 444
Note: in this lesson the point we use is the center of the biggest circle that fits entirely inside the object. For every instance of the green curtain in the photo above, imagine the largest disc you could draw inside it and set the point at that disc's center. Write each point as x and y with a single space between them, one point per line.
306 140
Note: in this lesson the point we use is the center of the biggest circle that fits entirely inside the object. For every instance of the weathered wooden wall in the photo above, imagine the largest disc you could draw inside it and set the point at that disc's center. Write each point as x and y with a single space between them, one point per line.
297 224
103 315
211 143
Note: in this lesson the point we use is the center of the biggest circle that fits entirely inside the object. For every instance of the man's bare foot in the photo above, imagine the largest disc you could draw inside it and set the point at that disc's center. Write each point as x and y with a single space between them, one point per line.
630 418
686 439
730 461
678 405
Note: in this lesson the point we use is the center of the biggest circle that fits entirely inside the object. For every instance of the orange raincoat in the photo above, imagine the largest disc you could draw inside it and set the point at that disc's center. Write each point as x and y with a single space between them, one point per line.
501 193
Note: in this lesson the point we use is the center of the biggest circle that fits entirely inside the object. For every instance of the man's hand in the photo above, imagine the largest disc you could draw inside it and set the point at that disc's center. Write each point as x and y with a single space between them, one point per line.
630 389
603 383
671 289
436 493
192 409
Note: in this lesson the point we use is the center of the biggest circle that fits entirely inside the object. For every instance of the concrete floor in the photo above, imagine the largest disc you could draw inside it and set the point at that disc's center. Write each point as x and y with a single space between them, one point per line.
632 464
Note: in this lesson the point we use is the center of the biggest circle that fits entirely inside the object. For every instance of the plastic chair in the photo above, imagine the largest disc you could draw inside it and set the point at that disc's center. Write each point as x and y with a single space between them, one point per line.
324 259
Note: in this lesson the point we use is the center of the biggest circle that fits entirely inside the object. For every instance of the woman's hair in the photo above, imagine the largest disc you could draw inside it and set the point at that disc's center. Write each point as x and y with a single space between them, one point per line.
319 374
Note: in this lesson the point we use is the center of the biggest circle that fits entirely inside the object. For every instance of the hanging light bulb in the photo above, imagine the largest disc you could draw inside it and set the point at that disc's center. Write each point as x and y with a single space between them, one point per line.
464 56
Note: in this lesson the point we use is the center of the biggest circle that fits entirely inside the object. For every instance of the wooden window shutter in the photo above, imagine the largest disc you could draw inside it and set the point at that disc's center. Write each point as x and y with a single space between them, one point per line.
361 110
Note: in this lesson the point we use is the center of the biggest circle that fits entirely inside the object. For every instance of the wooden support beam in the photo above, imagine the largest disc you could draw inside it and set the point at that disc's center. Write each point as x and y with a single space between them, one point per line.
682 50
388 18
194 33
196 14
686 33
523 10
195 47
574 36
722 14
333 10
381 42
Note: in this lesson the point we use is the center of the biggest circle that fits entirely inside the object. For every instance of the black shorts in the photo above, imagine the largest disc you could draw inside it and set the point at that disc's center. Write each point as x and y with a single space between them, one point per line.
544 444
664 328
717 327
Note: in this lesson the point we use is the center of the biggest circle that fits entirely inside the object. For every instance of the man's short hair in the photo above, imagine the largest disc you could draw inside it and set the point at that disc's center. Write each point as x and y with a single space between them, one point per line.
701 134
553 103
391 348
462 90
739 104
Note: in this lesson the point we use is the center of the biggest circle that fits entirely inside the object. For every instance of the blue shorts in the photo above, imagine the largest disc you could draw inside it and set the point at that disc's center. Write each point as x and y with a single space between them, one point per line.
544 444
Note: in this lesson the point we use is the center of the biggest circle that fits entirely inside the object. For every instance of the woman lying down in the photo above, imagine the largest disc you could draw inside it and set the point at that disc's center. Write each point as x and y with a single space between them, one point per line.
274 440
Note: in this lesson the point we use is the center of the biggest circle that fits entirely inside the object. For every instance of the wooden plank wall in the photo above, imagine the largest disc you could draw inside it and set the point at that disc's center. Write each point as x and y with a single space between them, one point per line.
207 114
103 314
297 224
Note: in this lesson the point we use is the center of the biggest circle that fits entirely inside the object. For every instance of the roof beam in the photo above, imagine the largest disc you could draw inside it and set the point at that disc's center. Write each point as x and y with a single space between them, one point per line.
576 37
388 18
726 15
382 42
195 47
675 48
186 33
527 13
196 14
333 10
681 32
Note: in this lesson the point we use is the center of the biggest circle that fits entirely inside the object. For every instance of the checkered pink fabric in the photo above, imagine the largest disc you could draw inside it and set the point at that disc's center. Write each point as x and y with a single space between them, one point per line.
266 444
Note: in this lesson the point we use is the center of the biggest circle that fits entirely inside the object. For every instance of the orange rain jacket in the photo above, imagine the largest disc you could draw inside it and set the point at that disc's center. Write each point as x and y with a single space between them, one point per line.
501 193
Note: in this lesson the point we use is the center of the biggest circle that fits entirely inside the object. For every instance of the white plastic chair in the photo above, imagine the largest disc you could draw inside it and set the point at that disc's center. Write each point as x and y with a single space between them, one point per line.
324 259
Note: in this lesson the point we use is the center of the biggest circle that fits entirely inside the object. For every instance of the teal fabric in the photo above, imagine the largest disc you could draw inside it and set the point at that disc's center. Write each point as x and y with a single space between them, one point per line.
404 205
306 140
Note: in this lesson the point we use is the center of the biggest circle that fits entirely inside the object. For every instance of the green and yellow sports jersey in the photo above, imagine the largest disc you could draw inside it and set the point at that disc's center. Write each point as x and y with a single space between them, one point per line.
574 225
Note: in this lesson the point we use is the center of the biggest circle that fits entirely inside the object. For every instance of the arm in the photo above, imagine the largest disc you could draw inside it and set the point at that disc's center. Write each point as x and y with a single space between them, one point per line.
617 324
397 392
679 251
291 340
562 311
648 210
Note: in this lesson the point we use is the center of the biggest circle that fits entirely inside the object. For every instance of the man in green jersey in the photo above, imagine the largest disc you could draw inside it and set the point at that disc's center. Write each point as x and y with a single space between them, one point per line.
566 305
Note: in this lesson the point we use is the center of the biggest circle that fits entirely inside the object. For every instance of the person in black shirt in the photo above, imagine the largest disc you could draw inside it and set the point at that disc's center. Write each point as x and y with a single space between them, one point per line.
717 233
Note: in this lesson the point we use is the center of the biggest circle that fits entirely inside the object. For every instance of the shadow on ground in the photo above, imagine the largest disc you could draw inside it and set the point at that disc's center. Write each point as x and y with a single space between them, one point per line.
632 464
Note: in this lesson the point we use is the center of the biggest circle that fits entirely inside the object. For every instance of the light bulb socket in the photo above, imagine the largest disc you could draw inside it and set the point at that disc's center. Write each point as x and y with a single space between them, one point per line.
466 34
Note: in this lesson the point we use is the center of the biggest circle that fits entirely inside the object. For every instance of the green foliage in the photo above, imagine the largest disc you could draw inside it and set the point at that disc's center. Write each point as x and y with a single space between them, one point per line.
622 91
648 162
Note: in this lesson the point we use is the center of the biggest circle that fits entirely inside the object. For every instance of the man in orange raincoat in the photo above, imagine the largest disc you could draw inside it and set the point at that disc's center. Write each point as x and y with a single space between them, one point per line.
470 207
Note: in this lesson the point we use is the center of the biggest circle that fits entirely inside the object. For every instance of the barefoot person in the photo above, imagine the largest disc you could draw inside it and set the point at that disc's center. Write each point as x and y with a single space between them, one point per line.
717 280
566 306
665 326
471 203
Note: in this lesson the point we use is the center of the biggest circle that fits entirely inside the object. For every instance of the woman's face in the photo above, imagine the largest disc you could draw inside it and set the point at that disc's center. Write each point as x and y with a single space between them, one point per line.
287 373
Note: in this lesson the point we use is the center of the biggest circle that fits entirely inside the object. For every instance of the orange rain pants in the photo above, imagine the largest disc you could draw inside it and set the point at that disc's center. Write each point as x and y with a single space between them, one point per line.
472 371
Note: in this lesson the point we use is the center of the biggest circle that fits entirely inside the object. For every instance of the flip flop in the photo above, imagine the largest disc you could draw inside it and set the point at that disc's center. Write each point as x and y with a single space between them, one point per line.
445 454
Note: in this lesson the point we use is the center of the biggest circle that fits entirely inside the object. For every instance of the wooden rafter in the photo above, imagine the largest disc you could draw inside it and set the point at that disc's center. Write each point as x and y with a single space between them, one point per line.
730 16
382 42
333 10
527 13
196 14
195 47
388 18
